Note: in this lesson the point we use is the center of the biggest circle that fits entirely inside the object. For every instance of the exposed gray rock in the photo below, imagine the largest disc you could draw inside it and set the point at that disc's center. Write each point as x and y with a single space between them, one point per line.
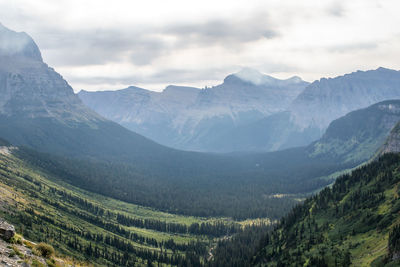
28 87
7 231
392 144
328 99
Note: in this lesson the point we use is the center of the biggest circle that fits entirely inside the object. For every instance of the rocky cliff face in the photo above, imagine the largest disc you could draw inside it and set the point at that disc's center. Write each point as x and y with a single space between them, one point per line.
392 144
328 99
29 88
39 109
190 118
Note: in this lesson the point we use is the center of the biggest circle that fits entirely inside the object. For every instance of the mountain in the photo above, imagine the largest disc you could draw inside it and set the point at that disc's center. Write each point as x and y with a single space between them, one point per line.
39 109
40 114
355 222
358 135
328 99
189 118
311 112
69 140
348 142
146 112
392 144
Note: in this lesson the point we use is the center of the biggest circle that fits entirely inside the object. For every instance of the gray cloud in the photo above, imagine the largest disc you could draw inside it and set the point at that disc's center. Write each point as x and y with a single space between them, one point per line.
141 46
170 76
336 9
229 33
100 46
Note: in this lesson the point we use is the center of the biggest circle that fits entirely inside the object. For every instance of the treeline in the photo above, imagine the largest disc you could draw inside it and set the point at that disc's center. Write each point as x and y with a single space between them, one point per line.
215 229
238 251
107 247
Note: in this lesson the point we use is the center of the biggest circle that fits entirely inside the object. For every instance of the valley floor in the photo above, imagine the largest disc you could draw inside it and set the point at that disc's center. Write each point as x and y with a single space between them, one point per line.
99 229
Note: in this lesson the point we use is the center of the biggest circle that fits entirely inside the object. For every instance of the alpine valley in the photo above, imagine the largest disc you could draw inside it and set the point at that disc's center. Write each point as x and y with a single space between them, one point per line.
135 177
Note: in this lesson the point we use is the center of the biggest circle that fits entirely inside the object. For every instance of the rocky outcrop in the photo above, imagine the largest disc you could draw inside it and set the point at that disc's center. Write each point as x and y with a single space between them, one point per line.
7 231
29 88
328 99
392 144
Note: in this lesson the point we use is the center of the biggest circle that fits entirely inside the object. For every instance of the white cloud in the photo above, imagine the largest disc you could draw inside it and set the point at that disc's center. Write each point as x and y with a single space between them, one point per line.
110 45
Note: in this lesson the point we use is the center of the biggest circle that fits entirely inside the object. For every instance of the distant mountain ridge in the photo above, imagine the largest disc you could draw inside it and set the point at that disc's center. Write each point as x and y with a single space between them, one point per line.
54 129
328 99
312 111
358 135
190 118
249 111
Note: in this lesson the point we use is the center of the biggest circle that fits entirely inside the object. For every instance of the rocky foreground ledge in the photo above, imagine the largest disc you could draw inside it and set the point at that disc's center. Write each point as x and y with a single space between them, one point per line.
15 251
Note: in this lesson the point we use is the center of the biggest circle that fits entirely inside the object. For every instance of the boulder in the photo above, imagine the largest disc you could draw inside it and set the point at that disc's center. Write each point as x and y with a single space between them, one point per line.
7 231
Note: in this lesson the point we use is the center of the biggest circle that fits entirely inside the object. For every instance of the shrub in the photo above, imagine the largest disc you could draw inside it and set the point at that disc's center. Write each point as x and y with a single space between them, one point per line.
36 263
51 263
29 244
17 252
44 250
16 239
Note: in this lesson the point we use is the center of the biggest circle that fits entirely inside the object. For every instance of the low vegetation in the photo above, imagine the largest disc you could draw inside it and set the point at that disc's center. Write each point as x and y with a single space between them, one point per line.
93 228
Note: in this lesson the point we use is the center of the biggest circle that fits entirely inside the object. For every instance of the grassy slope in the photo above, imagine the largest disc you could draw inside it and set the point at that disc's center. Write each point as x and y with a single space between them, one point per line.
28 192
355 217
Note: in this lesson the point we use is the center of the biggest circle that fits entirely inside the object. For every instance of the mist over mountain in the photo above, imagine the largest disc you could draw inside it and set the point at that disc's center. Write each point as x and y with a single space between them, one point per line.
312 111
30 89
190 118
109 195
41 112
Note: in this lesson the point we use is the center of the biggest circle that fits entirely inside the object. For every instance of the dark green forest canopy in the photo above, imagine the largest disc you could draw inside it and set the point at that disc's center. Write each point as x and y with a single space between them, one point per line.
341 224
244 194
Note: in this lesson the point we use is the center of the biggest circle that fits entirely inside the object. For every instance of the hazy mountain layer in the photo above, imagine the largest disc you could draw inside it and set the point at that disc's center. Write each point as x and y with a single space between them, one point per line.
359 134
190 118
312 111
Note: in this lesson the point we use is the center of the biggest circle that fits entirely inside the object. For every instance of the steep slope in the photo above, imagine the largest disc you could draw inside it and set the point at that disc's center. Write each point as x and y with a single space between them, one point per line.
352 223
97 229
358 135
149 113
39 109
348 142
392 144
189 118
275 132
313 110
328 99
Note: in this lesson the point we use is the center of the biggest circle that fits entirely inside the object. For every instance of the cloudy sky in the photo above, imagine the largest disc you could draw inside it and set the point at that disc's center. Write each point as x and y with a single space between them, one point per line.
100 44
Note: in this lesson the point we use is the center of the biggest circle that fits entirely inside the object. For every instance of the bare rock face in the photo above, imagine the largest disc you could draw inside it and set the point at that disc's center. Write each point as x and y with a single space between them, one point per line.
392 144
29 88
328 99
7 231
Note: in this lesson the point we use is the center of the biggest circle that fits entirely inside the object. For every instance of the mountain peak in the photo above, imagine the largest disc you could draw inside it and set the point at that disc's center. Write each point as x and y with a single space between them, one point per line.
254 76
18 44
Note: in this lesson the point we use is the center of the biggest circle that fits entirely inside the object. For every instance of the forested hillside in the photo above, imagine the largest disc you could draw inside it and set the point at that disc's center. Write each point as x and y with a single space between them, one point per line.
101 230
354 222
